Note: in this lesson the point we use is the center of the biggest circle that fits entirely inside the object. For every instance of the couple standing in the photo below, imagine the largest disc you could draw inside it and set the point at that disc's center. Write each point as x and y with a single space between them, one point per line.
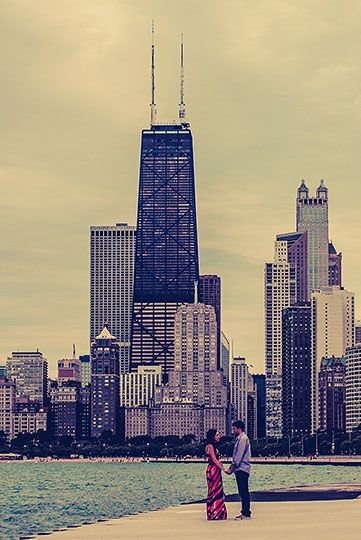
216 507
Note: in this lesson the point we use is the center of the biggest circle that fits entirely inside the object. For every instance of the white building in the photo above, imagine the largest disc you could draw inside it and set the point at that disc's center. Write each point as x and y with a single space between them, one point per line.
138 389
7 406
280 292
353 387
333 330
239 388
111 284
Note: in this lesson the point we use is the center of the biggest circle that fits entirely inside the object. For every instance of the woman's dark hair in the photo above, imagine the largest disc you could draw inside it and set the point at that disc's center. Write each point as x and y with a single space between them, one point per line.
210 437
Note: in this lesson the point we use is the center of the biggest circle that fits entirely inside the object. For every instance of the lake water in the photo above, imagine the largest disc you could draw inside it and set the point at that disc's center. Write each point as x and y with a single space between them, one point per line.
41 497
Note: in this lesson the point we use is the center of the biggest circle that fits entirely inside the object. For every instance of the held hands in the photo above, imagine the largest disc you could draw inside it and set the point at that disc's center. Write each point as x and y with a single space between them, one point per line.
227 471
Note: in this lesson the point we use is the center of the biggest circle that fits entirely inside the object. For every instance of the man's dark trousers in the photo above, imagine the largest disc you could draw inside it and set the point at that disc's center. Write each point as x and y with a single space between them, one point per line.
242 483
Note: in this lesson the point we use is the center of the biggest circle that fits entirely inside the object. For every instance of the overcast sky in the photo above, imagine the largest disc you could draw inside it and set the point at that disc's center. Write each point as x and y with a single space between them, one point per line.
273 95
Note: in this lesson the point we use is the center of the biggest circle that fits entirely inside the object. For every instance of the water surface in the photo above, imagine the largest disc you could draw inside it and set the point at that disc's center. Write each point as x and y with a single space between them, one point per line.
40 497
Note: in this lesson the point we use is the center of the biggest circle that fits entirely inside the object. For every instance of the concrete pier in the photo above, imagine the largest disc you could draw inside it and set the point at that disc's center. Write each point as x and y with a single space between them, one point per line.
301 520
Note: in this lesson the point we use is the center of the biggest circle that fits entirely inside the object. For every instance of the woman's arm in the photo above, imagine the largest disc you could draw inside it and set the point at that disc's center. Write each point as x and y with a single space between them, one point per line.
210 451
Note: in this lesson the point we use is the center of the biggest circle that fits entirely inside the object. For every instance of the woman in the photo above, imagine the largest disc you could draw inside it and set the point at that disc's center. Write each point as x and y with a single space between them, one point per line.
216 508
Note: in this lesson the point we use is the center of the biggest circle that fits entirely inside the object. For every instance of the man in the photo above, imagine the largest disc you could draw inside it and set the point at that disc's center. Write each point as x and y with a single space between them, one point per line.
241 467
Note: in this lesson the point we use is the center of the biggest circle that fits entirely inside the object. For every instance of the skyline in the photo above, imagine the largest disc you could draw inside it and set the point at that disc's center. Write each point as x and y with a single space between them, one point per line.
272 94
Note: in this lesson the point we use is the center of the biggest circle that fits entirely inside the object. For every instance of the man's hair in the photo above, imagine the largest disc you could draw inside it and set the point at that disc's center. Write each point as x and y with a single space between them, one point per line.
238 424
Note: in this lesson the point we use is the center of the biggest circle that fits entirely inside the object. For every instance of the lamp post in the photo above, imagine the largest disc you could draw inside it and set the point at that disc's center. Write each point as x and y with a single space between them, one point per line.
316 449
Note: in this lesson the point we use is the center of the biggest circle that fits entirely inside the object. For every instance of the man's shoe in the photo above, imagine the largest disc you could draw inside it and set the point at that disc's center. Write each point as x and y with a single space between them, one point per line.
245 517
238 518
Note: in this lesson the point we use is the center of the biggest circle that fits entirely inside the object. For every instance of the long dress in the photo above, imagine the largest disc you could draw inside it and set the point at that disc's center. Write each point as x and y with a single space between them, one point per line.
216 507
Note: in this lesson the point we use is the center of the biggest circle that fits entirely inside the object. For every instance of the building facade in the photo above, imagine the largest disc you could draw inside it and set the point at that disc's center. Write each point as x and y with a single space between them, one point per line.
105 413
251 409
297 249
280 293
138 389
334 266
296 370
312 216
332 393
66 406
260 384
166 258
7 405
353 387
239 388
333 330
29 417
225 356
112 251
29 371
85 369
209 293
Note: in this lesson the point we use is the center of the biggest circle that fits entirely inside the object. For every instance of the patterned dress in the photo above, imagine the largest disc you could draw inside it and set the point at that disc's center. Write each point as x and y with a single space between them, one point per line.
216 508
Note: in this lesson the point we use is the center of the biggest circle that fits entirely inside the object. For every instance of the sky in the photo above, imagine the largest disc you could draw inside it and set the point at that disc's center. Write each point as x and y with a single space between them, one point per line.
273 95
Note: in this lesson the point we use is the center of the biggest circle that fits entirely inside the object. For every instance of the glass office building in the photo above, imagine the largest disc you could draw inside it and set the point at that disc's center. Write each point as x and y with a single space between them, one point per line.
166 253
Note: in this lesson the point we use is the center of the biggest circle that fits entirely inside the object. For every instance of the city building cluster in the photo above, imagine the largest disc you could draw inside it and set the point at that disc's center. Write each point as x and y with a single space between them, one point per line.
159 363
312 340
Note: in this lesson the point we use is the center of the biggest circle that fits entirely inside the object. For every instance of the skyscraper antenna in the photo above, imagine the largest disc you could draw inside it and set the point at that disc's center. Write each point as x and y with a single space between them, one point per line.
153 110
182 107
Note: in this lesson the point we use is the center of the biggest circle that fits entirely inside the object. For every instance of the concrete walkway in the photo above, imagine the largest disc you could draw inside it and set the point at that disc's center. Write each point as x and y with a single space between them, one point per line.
308 520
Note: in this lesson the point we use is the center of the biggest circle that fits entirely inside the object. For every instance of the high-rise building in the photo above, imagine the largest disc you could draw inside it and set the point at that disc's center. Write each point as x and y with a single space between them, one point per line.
357 331
195 398
332 393
251 408
209 293
138 389
195 378
260 383
111 284
166 258
29 417
66 406
297 248
85 369
280 292
296 370
29 371
333 330
69 369
312 216
353 387
239 388
334 266
3 371
7 405
105 384
225 355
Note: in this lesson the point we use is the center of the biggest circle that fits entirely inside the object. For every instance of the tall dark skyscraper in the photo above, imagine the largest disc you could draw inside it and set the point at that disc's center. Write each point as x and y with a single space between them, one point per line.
105 414
296 369
334 266
166 253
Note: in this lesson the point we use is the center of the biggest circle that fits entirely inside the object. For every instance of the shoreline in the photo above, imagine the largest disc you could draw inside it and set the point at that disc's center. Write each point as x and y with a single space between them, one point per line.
309 460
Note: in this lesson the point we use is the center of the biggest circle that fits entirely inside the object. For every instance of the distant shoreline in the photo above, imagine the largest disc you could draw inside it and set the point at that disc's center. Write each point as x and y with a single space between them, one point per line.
320 460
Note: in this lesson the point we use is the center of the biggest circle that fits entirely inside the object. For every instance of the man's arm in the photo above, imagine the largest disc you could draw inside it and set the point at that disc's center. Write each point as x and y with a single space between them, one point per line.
238 453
